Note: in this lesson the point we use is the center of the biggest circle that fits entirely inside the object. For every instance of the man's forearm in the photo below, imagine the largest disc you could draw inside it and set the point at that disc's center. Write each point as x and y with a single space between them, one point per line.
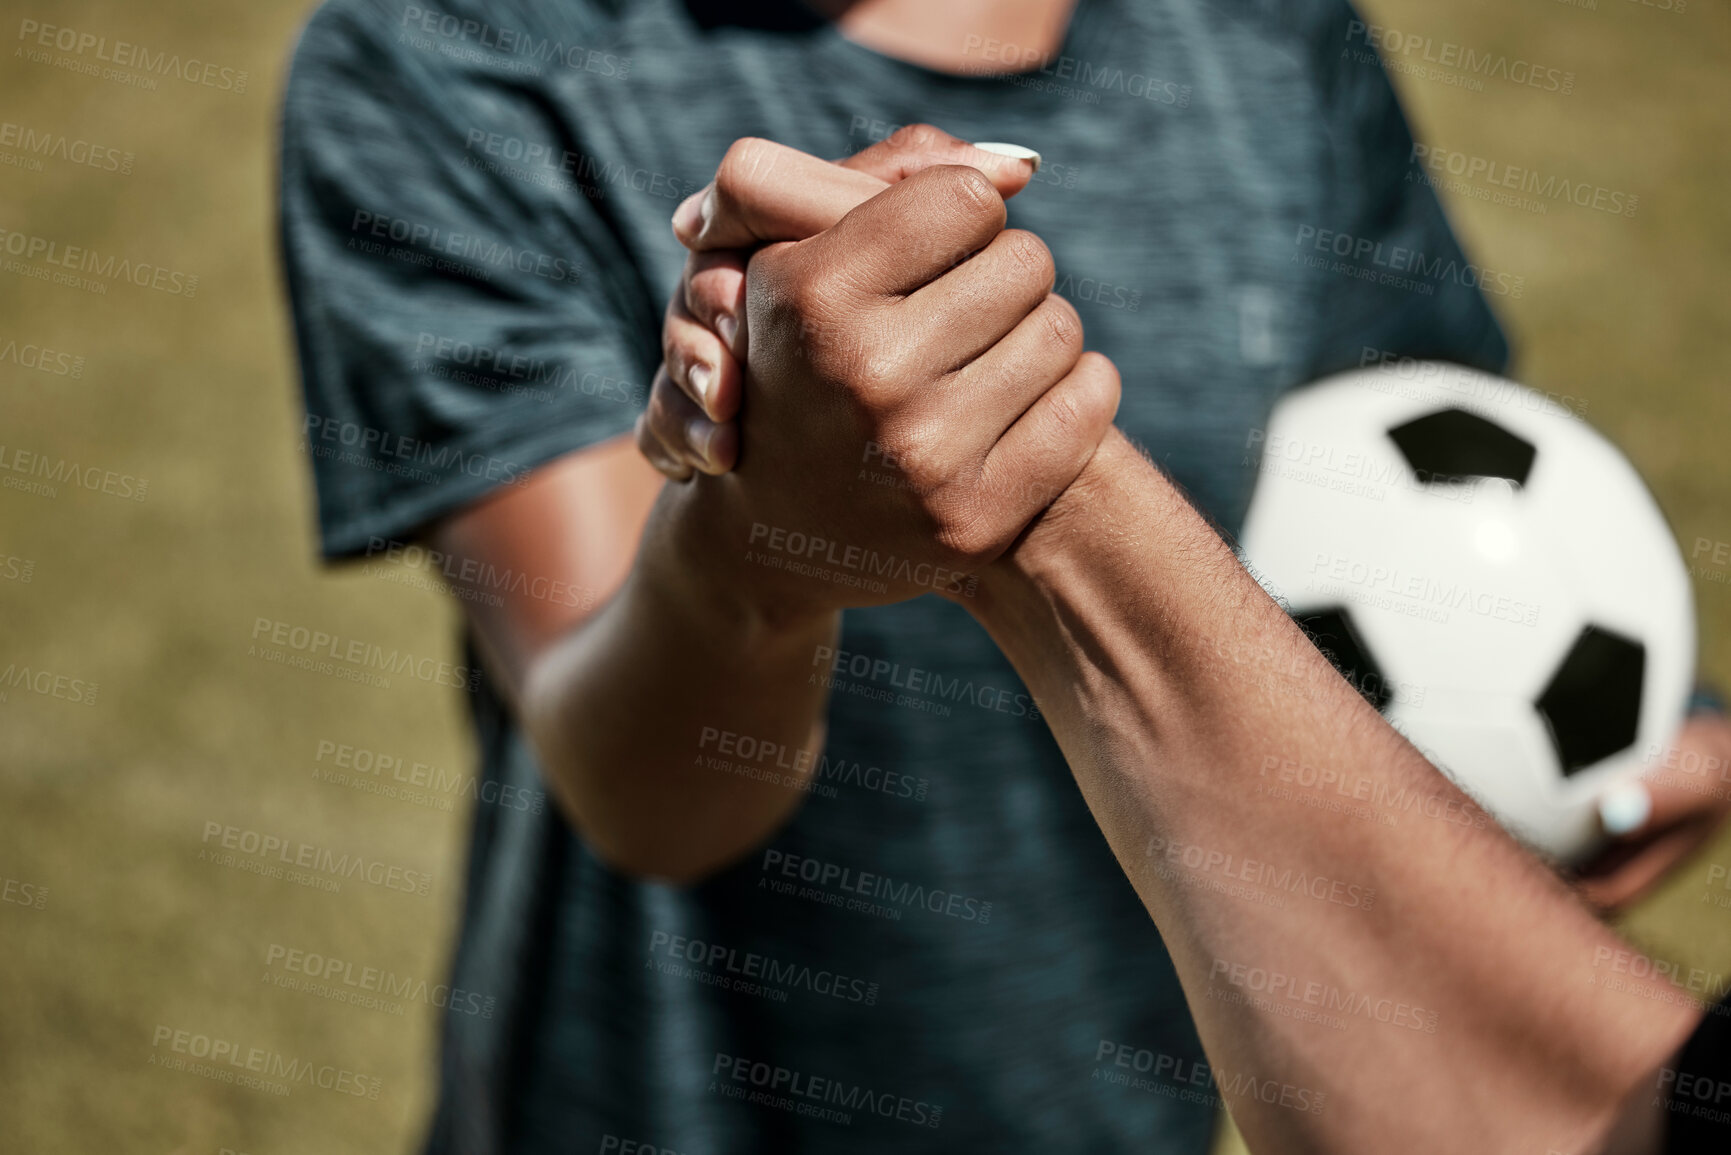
1182 696
679 725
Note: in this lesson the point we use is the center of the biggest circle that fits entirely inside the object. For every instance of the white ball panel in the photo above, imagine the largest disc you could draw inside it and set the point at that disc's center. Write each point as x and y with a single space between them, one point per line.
1477 588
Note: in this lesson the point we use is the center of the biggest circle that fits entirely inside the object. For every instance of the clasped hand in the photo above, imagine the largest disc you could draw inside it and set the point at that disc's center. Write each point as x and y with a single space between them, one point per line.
870 371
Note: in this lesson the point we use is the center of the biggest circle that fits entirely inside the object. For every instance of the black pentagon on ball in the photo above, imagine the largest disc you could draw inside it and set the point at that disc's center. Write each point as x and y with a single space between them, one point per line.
1593 705
1332 632
1454 445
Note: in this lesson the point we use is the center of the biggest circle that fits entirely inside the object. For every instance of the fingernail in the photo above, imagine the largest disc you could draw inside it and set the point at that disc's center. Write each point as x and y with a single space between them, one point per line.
728 326
701 377
688 218
1011 150
699 432
1625 809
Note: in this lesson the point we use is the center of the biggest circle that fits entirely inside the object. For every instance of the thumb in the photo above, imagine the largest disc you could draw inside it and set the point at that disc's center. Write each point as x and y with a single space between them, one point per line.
766 192
920 146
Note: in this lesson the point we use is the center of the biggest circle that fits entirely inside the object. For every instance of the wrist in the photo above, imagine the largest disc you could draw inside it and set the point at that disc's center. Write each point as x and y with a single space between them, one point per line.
1096 511
696 556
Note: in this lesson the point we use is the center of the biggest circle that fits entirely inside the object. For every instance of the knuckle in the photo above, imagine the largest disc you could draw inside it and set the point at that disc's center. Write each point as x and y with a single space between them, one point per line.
918 448
780 283
769 269
708 298
1063 325
816 299
874 377
1104 372
747 161
1091 401
1030 255
819 287
1066 412
970 533
654 451
971 192
1110 390
662 411
799 311
918 138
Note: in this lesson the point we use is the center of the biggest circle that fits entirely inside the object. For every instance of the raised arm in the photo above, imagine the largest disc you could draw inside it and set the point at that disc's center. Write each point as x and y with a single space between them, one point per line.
1179 690
1418 983
616 654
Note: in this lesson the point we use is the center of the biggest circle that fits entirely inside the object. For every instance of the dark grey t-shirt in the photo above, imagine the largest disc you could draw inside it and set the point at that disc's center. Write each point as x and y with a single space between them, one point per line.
936 952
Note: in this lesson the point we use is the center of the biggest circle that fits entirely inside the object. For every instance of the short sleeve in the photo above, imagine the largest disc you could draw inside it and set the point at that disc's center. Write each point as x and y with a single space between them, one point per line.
1391 277
460 319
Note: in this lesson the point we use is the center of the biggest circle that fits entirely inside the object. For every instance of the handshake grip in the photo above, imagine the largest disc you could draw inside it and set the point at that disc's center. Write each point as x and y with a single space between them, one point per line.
910 394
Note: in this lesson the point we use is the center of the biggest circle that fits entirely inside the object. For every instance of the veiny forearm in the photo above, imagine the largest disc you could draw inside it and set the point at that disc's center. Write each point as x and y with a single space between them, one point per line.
1372 967
679 727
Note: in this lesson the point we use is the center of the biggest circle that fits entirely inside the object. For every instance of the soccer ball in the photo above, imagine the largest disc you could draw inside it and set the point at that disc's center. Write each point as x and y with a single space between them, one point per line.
1490 573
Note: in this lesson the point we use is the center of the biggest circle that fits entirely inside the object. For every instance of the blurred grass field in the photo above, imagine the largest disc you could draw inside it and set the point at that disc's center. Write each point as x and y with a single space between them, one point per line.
104 806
